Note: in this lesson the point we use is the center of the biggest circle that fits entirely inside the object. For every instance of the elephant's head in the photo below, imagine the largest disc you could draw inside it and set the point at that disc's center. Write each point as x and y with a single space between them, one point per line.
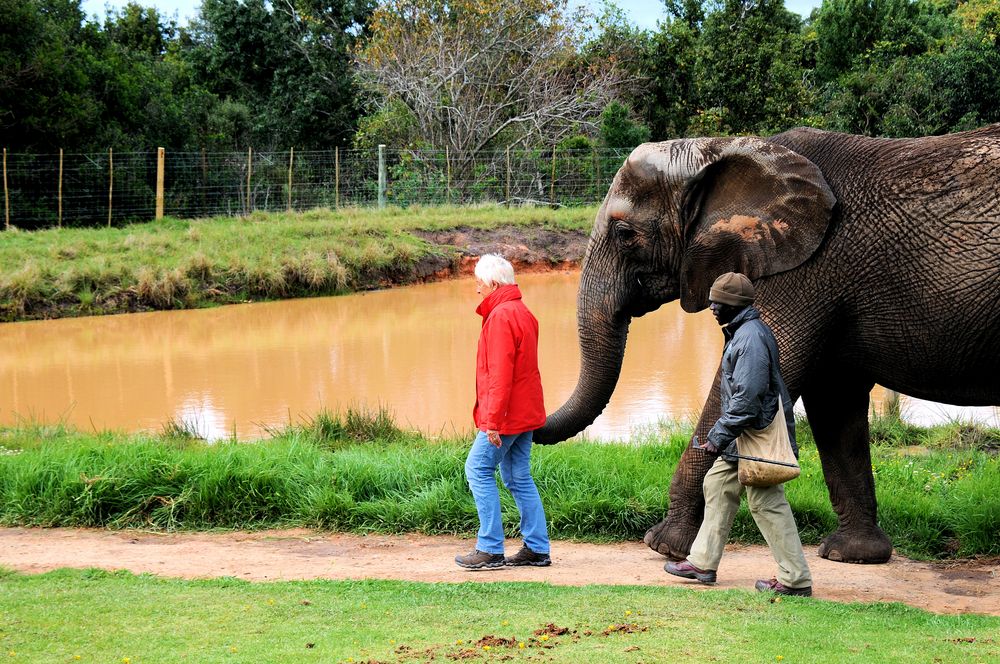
679 214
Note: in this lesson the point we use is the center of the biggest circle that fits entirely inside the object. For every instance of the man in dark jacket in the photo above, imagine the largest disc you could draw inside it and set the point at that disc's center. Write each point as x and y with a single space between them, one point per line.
753 395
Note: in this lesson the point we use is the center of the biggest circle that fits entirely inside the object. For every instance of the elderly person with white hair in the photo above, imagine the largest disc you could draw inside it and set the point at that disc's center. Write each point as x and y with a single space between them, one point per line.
508 409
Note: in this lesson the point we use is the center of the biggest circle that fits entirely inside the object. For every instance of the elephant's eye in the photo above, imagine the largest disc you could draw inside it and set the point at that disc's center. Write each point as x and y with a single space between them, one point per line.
625 233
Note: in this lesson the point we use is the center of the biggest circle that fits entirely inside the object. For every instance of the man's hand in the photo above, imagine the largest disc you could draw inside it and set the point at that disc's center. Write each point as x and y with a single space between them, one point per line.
494 437
709 447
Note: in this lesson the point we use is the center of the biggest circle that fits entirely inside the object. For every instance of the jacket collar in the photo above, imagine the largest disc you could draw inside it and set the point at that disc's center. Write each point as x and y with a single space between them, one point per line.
496 298
748 313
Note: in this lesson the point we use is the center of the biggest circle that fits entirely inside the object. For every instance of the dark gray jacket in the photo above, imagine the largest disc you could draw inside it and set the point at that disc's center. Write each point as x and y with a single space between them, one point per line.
751 382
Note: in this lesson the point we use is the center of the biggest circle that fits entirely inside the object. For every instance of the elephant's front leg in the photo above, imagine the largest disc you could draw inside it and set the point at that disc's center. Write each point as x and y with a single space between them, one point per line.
673 536
838 416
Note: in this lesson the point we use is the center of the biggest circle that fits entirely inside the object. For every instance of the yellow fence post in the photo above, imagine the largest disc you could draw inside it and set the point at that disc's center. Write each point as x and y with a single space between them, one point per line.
59 222
6 194
111 181
291 158
160 162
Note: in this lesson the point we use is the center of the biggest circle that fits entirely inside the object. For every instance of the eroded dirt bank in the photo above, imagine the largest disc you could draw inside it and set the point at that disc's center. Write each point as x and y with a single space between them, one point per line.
529 249
971 586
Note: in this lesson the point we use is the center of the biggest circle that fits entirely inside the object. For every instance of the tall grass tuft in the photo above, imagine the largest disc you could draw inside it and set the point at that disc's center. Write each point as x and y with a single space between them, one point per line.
353 425
358 471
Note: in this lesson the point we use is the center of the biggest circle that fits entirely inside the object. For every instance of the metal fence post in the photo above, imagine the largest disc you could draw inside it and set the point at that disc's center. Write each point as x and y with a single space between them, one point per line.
508 176
249 171
336 177
381 176
552 191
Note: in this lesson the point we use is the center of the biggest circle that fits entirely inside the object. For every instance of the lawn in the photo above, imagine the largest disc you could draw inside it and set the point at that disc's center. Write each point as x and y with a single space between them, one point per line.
118 618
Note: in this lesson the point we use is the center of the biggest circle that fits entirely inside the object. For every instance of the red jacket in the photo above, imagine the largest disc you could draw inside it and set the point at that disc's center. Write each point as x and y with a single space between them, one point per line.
508 385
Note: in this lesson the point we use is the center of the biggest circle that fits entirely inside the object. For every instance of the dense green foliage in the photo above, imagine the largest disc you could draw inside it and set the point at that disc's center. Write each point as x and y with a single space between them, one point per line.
275 75
147 619
359 472
175 264
245 73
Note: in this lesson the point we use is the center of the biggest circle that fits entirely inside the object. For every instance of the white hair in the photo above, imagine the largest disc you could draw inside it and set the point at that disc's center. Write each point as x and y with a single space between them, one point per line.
494 270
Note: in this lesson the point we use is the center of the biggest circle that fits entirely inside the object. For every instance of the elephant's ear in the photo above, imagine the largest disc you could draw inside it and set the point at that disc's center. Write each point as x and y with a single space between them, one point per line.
758 209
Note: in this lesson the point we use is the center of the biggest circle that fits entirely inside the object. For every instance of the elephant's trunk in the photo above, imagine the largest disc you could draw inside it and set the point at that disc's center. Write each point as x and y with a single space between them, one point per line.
603 330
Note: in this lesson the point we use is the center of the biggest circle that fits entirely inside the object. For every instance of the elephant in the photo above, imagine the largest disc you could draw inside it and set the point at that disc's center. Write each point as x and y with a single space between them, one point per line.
874 261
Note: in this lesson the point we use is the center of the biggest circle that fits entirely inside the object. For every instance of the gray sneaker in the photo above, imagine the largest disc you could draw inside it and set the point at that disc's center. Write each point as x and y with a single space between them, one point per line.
528 557
477 559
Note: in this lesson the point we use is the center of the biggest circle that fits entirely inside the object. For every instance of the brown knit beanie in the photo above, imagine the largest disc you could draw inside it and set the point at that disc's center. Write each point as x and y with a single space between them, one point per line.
732 288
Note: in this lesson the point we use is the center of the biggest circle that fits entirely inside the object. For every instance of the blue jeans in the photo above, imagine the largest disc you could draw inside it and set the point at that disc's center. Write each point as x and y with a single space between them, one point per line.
514 458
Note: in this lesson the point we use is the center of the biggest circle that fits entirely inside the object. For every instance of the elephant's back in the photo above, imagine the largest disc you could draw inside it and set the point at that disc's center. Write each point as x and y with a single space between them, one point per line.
913 256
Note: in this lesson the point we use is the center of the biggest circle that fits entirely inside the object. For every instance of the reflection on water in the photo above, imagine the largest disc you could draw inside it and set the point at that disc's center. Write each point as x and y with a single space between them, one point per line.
248 368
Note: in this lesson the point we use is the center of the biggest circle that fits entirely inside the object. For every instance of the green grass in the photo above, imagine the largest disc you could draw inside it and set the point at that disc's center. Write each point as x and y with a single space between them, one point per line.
173 264
359 472
96 616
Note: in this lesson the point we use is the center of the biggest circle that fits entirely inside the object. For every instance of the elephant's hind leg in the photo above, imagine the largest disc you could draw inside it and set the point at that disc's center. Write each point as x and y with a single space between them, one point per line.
838 415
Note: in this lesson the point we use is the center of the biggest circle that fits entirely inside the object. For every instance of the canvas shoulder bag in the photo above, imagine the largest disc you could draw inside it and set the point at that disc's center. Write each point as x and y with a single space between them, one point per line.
771 443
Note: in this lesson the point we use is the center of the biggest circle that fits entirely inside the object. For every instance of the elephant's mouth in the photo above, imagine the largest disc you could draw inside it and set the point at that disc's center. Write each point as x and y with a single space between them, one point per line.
645 297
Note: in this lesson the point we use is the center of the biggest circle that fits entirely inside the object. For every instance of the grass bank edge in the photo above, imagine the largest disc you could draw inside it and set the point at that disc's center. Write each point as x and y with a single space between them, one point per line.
147 619
184 264
938 489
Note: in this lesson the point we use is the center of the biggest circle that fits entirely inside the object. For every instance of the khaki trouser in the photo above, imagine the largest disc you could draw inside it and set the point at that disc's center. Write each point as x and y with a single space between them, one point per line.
771 512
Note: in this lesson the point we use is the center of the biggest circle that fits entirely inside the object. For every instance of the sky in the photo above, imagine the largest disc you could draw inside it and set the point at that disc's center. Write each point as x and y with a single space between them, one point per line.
643 13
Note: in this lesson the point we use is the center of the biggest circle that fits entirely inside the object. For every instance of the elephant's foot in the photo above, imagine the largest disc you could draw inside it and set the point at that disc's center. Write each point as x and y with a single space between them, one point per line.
868 546
670 539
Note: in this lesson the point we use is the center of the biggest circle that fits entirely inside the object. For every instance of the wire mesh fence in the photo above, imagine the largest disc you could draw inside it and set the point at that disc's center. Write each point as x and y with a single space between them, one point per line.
112 188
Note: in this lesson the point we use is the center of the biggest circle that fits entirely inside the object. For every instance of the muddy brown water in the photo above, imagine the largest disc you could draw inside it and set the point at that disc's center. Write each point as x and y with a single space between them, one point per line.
253 368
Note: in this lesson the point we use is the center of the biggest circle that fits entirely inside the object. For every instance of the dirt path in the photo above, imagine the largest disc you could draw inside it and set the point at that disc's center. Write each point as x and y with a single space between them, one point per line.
955 587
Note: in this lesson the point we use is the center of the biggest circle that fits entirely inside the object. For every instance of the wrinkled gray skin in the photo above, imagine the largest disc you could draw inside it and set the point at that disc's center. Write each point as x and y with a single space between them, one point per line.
874 260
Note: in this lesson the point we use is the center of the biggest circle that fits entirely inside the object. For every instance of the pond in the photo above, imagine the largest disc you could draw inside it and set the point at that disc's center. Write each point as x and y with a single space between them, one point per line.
253 368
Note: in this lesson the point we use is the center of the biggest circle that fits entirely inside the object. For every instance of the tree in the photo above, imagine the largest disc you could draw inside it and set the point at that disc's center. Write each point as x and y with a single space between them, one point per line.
477 74
46 97
750 66
140 29
671 63
288 64
619 130
847 30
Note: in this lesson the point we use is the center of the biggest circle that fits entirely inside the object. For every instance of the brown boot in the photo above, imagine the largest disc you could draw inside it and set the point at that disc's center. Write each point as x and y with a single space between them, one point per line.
528 557
686 570
477 559
776 586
